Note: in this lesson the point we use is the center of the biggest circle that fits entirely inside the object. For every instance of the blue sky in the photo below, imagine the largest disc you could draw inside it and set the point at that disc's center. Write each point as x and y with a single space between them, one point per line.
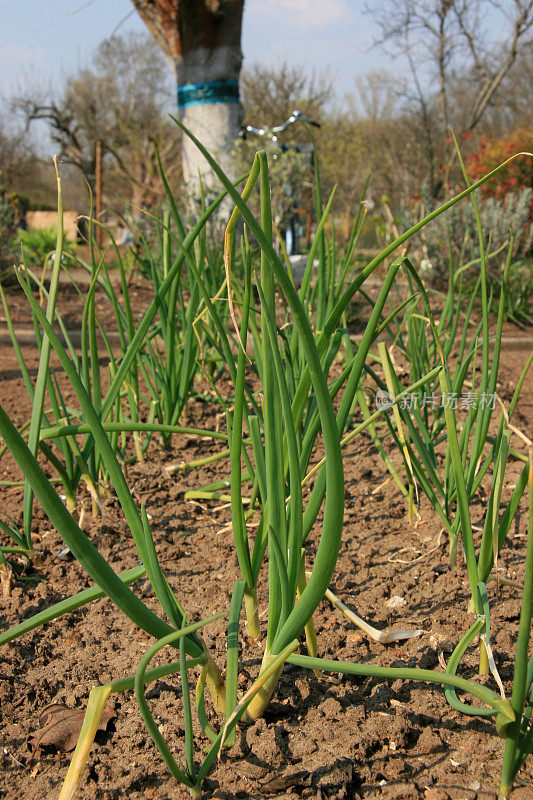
43 41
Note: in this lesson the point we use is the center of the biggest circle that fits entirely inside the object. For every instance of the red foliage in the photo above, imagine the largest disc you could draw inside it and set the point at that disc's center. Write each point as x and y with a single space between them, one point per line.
491 152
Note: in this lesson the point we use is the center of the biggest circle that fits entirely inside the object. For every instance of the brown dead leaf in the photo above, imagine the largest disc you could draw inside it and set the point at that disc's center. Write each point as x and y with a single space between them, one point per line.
60 726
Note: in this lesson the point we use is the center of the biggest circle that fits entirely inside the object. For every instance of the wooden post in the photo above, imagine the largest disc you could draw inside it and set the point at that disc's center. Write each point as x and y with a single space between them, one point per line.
98 191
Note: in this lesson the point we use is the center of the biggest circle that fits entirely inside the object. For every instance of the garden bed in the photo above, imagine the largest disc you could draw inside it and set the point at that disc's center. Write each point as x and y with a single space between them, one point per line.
329 737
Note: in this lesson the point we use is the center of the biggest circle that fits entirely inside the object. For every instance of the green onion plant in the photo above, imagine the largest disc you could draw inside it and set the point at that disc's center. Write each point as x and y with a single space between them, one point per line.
449 454
287 400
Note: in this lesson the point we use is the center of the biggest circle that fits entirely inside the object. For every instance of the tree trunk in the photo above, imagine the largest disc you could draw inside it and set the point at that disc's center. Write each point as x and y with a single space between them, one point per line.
202 40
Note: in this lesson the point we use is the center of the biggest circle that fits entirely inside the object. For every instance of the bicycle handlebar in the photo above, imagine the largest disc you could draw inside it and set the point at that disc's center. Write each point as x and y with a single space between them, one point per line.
294 117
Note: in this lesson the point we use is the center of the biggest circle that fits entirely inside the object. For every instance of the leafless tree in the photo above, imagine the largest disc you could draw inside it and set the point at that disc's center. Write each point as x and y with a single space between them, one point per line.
446 37
120 101
491 62
379 93
271 93
448 42
511 107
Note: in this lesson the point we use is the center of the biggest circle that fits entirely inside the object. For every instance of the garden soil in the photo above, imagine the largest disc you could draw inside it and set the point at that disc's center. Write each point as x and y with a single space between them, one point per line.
325 736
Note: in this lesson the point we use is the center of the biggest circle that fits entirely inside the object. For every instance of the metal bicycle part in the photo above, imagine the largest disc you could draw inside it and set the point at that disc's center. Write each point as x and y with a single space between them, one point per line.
290 232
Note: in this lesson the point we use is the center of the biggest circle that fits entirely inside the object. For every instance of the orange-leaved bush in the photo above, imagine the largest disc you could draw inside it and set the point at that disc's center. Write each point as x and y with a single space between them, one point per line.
518 175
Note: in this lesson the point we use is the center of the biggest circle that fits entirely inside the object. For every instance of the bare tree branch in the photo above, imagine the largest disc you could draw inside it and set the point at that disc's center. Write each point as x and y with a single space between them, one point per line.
119 101
523 22
451 41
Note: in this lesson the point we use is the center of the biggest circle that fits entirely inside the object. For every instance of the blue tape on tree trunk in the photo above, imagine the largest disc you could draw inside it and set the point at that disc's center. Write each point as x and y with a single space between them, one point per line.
194 94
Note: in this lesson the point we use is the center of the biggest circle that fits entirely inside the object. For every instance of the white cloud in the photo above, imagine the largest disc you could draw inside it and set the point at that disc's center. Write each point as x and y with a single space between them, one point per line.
317 34
304 14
